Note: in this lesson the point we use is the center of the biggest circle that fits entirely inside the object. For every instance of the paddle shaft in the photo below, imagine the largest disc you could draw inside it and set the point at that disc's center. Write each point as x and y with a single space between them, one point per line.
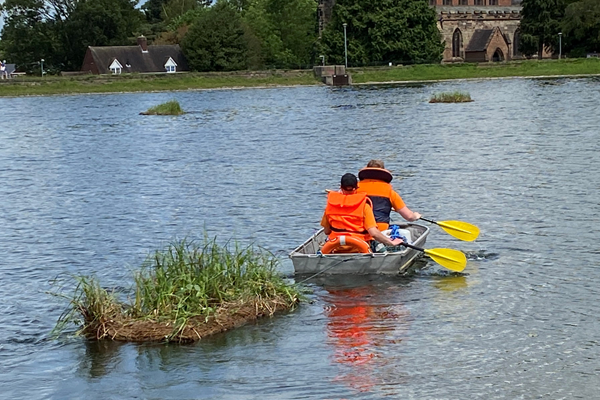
413 246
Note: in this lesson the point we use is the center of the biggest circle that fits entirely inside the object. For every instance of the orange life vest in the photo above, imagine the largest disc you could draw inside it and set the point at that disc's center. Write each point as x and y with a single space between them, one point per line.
380 194
345 213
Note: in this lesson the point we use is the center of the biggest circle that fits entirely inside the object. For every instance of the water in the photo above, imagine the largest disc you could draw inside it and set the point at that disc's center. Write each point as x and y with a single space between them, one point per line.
91 187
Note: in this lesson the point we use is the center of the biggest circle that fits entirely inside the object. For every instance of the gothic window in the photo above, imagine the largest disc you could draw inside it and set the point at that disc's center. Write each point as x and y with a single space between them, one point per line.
447 2
463 2
493 2
456 43
480 2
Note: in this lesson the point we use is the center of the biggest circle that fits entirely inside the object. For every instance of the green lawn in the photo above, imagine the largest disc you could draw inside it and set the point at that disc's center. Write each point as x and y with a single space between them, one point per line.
24 86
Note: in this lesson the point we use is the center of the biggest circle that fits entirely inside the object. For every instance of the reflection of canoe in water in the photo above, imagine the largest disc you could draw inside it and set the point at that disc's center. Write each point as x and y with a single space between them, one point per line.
308 260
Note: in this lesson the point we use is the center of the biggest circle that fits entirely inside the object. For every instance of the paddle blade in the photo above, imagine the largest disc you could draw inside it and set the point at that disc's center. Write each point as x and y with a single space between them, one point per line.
460 230
454 260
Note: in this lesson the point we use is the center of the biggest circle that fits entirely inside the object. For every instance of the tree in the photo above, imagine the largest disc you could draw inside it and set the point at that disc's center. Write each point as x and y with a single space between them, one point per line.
27 35
399 31
59 31
98 23
581 27
540 25
165 10
287 30
216 40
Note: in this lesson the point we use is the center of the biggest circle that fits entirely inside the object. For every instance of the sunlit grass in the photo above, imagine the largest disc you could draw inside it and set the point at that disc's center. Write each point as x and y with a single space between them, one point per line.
169 108
180 285
24 86
451 97
433 72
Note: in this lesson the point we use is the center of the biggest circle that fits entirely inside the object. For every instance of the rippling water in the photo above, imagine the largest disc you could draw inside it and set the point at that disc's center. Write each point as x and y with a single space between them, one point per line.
90 187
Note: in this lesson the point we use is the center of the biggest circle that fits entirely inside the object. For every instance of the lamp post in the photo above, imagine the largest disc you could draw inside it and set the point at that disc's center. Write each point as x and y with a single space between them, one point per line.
559 45
345 45
42 66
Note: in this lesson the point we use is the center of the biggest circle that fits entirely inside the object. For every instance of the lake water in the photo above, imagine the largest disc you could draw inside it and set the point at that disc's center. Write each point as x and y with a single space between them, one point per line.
91 187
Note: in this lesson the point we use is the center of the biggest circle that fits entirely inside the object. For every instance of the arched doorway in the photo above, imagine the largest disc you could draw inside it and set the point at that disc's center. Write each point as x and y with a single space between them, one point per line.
457 43
498 56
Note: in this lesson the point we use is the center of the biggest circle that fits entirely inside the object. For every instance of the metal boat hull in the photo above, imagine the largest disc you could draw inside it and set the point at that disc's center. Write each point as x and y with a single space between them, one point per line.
307 260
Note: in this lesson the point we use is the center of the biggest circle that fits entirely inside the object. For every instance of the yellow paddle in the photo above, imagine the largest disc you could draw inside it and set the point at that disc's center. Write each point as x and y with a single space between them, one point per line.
454 260
458 229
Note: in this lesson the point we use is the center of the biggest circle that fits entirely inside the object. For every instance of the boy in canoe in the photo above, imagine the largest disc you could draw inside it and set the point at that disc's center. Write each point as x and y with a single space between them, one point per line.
349 222
375 183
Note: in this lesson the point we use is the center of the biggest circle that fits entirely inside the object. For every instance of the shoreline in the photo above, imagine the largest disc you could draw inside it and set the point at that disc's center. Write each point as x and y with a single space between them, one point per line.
238 80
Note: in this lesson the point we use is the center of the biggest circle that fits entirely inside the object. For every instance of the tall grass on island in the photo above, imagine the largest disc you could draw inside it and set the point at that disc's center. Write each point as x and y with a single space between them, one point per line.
169 108
183 293
451 97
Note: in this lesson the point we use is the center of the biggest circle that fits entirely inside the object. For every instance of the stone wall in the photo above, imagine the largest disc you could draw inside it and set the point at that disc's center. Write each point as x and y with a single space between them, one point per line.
469 21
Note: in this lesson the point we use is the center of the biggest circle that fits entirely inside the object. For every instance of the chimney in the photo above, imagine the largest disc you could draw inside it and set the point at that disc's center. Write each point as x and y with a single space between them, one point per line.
143 43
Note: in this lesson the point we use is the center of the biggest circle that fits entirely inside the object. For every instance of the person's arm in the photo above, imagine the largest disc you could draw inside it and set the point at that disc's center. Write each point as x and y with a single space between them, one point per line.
381 238
409 215
325 225
401 208
371 226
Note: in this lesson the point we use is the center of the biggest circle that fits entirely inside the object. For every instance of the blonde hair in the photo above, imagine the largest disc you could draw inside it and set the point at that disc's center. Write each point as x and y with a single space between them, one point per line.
375 164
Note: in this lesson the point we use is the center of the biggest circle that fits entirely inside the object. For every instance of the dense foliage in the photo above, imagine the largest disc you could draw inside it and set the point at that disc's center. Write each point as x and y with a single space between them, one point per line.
397 31
59 31
216 41
577 20
581 27
224 35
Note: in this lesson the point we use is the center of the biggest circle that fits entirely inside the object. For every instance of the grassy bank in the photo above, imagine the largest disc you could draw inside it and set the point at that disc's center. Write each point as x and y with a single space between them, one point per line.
48 85
433 72
182 293
24 86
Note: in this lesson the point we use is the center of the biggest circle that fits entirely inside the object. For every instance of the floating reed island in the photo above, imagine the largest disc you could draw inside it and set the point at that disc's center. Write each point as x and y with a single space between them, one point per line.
169 108
183 293
451 97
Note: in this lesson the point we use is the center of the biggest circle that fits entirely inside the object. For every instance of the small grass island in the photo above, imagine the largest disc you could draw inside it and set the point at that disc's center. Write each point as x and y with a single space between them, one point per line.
451 97
169 108
183 293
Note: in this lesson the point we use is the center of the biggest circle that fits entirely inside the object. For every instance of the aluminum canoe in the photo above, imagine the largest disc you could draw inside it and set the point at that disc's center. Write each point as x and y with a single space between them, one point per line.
307 259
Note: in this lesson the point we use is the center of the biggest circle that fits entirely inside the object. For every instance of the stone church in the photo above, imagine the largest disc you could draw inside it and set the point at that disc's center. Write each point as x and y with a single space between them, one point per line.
473 30
479 30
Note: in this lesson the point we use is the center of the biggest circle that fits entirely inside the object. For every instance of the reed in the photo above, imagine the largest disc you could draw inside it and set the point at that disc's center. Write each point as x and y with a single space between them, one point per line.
186 288
169 108
451 97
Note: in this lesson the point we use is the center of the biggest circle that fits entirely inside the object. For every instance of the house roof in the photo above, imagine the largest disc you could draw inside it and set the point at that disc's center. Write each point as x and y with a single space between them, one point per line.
134 60
480 39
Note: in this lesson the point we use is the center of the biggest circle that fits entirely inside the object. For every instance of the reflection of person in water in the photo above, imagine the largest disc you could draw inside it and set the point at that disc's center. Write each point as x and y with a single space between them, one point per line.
359 331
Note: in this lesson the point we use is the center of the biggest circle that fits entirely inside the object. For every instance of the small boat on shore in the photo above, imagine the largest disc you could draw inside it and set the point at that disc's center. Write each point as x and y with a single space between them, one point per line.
307 258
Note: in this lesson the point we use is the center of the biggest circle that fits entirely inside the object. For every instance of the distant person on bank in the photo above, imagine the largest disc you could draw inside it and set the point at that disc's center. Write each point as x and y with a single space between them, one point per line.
375 183
349 213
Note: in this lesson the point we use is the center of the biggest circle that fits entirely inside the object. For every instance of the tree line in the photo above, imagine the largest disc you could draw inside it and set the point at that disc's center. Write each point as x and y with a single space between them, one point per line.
578 21
221 35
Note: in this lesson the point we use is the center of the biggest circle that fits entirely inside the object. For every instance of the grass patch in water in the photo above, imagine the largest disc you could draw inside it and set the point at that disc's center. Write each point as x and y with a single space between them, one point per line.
451 97
183 293
169 108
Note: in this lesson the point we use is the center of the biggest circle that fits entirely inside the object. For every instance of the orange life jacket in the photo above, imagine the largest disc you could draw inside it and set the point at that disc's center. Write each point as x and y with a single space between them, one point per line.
345 213
380 194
